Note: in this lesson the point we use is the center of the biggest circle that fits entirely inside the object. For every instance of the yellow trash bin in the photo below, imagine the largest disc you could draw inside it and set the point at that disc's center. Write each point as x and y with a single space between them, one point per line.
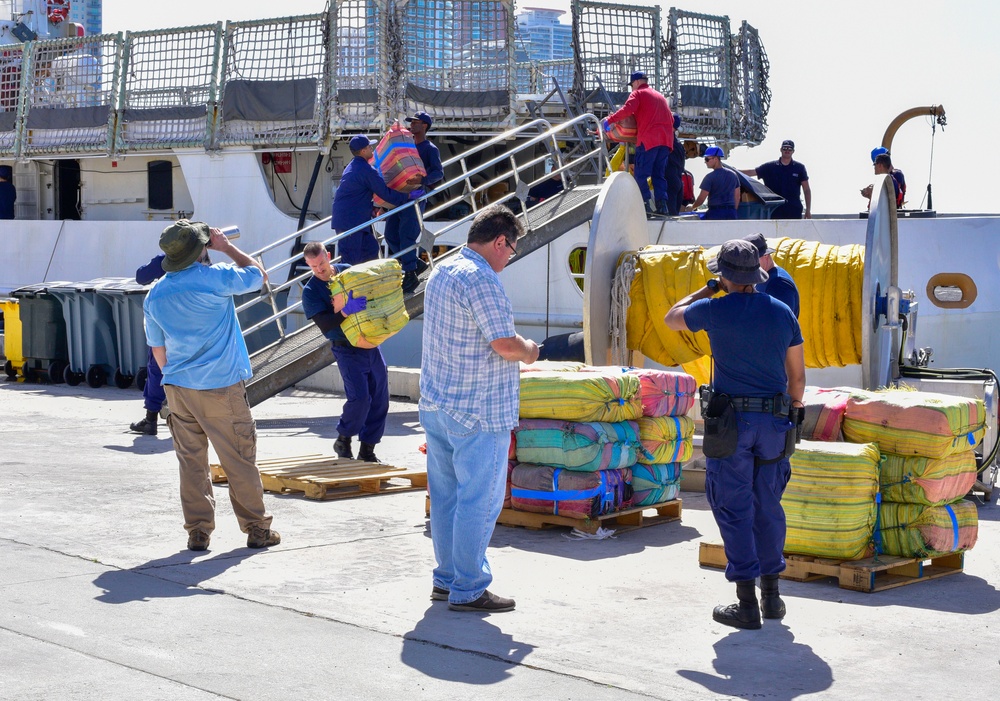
12 337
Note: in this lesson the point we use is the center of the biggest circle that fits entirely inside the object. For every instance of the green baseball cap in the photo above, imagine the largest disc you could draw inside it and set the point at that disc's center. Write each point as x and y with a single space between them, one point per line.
182 242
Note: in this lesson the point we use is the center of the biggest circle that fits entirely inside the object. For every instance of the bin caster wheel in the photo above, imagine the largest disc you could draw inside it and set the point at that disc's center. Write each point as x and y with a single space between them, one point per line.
56 371
96 377
140 378
72 378
123 381
28 373
8 368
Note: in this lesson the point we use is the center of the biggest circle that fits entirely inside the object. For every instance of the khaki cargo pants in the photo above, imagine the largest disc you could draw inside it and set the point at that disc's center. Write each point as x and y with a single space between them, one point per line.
223 417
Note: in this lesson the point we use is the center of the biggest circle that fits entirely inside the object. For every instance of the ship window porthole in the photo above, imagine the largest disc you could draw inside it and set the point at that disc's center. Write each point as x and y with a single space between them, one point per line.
578 264
951 290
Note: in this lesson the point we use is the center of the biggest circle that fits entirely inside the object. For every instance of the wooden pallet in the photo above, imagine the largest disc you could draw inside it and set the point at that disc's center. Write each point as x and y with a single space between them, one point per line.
625 520
869 575
326 477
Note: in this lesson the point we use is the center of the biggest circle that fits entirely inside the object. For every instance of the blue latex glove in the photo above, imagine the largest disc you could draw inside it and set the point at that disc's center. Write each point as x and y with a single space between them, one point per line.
416 194
604 123
354 304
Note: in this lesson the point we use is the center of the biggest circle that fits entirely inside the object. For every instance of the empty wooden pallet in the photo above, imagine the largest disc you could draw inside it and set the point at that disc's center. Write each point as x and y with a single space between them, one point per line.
327 477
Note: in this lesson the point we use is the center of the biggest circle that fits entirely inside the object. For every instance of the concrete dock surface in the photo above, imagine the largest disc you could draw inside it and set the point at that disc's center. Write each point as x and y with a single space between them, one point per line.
100 599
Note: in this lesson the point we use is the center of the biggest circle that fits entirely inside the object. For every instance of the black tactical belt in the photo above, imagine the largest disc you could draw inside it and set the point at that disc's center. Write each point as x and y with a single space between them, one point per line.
762 404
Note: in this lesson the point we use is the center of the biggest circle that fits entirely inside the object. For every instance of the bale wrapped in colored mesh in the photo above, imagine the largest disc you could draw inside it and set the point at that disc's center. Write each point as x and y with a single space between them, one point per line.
552 366
380 281
584 446
580 396
916 530
663 392
914 423
511 464
625 131
397 158
512 450
666 439
823 413
552 490
829 502
928 481
653 484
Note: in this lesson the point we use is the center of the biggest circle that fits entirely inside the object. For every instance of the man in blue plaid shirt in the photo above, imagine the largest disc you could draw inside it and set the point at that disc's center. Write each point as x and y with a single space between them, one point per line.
469 395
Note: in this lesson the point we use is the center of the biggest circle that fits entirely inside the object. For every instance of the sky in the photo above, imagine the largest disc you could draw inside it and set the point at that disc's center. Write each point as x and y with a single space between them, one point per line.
839 73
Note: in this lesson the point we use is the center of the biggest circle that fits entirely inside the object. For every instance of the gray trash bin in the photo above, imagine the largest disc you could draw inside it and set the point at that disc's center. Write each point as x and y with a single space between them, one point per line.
90 330
43 332
126 300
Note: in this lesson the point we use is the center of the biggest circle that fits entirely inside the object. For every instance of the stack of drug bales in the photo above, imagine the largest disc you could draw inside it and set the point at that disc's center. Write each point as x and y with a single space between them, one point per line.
895 487
927 442
598 440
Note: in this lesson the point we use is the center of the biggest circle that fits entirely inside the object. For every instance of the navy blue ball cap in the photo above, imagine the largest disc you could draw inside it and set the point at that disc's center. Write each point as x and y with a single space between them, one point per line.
421 117
360 142
638 75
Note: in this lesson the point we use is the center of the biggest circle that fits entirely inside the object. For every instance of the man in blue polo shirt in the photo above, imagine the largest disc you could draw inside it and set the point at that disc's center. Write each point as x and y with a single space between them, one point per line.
352 203
402 230
193 332
786 177
721 187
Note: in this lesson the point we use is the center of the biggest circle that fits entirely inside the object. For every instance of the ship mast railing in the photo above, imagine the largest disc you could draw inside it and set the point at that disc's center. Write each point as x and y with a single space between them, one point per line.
537 141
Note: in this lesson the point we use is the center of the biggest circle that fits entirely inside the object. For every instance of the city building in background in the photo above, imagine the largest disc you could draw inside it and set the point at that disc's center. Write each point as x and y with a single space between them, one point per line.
89 13
542 37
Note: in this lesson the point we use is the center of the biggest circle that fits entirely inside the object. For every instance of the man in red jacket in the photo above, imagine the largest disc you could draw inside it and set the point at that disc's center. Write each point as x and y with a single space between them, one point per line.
655 138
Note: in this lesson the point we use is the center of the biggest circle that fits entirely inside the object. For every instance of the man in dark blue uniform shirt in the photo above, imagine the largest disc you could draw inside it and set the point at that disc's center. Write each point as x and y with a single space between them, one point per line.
366 380
403 229
759 368
786 177
352 203
721 187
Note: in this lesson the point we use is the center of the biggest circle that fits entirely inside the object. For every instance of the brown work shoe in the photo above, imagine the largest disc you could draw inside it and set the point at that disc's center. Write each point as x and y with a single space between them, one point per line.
258 537
439 594
487 603
198 540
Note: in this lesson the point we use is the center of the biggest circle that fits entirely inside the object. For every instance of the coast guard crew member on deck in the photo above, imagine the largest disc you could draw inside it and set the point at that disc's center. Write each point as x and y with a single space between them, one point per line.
760 369
721 187
352 203
786 177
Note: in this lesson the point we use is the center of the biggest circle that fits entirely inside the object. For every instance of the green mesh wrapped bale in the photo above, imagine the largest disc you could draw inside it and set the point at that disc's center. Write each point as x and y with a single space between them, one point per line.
916 530
928 481
829 502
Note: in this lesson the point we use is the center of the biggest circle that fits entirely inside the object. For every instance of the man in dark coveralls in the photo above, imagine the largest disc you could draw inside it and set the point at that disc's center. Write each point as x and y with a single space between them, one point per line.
786 177
759 364
366 379
352 203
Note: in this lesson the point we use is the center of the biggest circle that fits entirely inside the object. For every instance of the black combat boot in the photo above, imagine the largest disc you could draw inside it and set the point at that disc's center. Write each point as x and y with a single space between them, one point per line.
367 452
146 426
342 447
661 207
746 613
771 605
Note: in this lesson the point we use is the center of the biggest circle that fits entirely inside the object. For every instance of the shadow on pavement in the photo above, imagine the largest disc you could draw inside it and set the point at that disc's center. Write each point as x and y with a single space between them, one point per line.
143 582
441 639
765 663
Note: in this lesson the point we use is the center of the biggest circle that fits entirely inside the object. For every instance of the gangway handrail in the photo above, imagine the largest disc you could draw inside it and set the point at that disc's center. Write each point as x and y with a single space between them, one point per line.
543 131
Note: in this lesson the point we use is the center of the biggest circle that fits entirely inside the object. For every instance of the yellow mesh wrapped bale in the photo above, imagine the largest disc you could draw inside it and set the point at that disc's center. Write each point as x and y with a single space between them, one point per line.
666 439
380 281
916 530
829 502
929 481
580 396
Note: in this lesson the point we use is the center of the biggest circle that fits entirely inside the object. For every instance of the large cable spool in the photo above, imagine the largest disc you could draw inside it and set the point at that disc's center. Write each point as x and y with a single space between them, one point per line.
880 293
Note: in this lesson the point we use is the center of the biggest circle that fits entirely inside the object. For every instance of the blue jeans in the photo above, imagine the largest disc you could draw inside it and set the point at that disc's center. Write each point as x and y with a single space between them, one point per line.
746 497
466 474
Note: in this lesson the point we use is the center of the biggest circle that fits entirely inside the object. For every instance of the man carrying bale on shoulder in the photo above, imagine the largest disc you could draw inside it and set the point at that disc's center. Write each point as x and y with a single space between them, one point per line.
366 380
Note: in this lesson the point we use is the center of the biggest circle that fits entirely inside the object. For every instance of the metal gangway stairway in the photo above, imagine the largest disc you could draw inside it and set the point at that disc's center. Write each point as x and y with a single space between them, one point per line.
300 353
